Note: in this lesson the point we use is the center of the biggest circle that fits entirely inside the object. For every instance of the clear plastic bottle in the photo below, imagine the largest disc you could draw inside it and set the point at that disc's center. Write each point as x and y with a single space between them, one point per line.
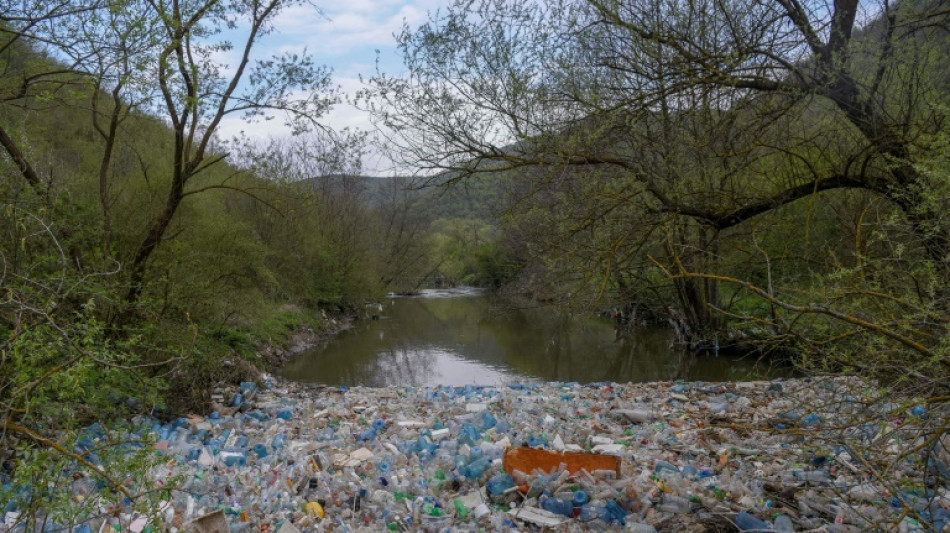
639 527
673 504
748 522
783 523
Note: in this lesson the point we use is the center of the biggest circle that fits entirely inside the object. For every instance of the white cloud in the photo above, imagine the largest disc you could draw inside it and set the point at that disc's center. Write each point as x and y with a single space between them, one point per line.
345 36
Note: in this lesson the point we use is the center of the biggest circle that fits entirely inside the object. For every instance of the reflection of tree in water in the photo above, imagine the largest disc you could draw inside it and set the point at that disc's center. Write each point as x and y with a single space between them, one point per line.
423 341
402 365
709 367
557 346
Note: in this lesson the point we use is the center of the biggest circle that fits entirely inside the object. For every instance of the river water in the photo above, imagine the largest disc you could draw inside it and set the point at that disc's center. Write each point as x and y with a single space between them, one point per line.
462 337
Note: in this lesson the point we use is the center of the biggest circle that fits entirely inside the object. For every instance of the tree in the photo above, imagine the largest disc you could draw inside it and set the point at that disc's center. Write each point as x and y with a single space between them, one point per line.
618 84
197 93
695 118
160 57
30 23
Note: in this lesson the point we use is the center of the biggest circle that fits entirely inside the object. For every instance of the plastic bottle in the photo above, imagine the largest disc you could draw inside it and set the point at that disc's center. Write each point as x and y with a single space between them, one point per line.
499 483
558 506
538 486
475 468
666 470
194 453
469 434
460 508
811 475
593 511
488 421
259 449
233 458
783 523
580 498
748 522
690 472
615 513
535 441
639 527
673 504
368 434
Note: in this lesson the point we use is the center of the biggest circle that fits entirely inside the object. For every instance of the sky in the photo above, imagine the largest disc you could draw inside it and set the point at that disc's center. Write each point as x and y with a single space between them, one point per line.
346 37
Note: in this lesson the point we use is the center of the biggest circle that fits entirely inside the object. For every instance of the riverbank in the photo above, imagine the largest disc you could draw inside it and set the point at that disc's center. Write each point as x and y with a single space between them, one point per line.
692 457
228 355
277 354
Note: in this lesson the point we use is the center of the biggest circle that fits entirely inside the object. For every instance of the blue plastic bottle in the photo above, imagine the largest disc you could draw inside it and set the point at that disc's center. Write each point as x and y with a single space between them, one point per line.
234 459
690 471
558 506
469 434
535 441
475 468
615 513
260 450
499 483
488 420
368 434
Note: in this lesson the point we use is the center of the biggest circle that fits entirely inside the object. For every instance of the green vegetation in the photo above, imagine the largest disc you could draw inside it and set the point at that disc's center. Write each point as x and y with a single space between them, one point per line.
143 258
762 174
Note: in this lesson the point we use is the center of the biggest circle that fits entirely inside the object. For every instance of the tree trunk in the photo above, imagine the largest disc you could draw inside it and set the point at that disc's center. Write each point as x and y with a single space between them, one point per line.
20 160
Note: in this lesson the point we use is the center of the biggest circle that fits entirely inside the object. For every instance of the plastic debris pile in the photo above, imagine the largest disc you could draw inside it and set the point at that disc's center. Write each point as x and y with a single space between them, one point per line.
772 456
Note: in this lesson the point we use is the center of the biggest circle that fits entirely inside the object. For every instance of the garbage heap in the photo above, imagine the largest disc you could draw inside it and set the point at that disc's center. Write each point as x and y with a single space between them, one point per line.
788 455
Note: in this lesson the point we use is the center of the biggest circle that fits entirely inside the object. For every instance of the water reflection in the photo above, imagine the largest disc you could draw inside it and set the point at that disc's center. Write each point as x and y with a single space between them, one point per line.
471 339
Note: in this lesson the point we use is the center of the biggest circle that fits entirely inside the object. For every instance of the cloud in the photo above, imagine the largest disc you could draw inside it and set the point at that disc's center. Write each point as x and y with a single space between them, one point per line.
345 36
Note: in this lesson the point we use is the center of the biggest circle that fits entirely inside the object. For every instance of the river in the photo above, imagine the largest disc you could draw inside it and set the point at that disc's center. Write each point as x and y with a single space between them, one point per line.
464 337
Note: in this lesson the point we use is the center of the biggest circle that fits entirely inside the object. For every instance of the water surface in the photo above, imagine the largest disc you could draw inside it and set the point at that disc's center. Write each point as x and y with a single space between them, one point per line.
457 338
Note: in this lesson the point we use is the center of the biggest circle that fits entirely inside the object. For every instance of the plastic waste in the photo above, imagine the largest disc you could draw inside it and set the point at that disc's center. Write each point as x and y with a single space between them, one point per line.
783 524
748 522
499 483
558 506
411 459
639 527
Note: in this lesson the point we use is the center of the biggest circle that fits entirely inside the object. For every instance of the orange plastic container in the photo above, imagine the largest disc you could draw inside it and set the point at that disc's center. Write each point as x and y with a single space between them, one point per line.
528 460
